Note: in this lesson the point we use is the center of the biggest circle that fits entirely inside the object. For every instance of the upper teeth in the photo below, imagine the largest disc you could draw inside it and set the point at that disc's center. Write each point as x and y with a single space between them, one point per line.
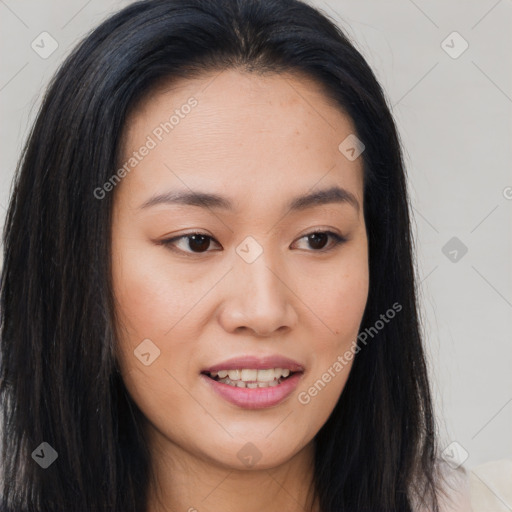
248 375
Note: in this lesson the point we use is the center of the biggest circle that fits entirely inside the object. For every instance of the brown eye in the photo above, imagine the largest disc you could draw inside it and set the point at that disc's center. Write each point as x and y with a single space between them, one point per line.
319 239
193 243
199 243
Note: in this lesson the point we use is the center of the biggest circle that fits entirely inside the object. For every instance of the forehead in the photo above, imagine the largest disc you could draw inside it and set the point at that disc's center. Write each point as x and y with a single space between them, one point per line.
235 131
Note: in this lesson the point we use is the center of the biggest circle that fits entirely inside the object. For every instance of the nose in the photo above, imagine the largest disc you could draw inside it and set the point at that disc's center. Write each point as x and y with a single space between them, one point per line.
259 298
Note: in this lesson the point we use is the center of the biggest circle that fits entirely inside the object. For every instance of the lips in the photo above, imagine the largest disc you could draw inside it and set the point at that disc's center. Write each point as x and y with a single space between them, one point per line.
253 382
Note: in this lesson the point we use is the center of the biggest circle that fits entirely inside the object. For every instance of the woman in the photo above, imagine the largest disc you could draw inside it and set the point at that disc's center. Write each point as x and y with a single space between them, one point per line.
208 292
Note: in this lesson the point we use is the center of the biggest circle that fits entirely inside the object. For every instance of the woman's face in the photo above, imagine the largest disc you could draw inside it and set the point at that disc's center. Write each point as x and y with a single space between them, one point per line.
253 292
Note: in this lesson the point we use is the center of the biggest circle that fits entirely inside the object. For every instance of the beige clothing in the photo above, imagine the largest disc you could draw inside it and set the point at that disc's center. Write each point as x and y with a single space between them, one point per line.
484 488
490 486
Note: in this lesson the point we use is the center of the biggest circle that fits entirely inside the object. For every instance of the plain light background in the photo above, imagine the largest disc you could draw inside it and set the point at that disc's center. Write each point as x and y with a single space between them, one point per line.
453 109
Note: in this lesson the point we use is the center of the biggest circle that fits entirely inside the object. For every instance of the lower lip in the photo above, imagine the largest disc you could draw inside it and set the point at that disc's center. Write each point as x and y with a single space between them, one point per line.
255 398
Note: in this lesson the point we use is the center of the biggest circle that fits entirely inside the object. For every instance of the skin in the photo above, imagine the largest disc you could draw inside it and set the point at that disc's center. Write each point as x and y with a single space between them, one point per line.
260 140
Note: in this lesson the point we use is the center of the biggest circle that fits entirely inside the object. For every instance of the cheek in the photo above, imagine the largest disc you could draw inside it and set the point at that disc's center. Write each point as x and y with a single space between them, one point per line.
343 300
150 299
338 298
320 393
151 295
150 303
163 400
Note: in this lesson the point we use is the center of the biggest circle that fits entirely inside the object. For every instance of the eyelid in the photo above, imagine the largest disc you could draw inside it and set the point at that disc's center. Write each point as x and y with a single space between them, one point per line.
337 240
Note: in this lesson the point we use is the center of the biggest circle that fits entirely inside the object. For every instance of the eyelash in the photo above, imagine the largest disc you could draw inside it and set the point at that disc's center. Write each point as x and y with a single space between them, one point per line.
169 243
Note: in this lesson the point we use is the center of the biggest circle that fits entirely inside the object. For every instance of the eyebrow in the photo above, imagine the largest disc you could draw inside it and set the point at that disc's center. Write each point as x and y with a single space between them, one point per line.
207 200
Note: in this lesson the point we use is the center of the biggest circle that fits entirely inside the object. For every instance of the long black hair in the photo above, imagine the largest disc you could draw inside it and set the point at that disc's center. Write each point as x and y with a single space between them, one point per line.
59 380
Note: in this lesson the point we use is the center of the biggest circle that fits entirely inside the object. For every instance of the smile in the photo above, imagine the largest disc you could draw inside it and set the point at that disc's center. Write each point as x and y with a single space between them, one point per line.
253 393
251 378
